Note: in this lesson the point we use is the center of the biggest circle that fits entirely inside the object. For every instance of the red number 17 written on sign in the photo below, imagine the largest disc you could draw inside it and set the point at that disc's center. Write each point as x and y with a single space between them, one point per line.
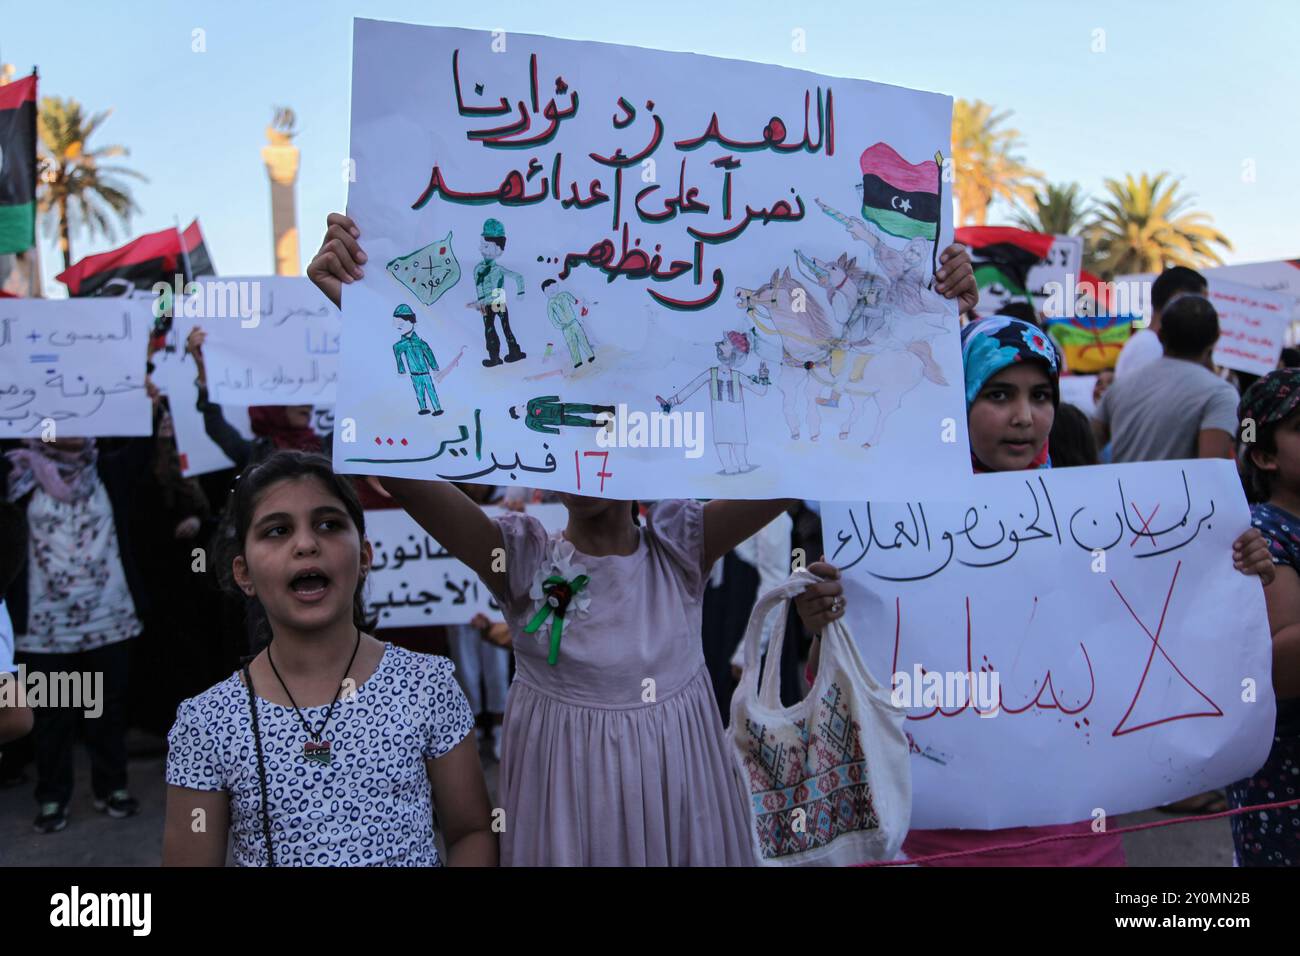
602 473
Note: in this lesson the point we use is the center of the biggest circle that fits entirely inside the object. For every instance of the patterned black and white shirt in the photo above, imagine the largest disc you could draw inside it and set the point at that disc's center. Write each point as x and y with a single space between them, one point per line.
371 806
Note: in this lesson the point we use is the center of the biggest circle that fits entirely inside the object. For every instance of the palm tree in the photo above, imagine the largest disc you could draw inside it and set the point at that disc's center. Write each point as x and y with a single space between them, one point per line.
1144 225
76 189
985 161
1060 210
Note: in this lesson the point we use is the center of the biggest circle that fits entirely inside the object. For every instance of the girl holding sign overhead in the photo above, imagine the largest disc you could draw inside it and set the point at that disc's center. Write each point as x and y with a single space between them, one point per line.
614 752
1012 392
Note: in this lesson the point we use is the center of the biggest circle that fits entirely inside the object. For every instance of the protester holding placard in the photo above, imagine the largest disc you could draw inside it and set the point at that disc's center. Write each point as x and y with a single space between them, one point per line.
614 700
1012 390
275 426
1270 411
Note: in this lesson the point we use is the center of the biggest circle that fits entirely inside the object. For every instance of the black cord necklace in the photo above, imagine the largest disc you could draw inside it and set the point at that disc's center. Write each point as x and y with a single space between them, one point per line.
315 749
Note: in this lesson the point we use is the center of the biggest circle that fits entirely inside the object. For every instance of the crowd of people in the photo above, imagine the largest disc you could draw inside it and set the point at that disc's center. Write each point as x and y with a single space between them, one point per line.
307 736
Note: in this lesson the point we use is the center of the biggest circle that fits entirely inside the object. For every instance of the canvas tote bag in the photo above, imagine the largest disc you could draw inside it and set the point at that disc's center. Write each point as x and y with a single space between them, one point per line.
828 780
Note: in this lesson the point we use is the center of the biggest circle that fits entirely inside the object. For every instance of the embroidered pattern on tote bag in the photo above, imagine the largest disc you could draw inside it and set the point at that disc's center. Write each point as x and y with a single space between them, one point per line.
823 774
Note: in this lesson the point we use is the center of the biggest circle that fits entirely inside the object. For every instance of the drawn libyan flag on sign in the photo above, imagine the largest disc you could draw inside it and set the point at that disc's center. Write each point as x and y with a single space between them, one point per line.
428 272
901 198
18 165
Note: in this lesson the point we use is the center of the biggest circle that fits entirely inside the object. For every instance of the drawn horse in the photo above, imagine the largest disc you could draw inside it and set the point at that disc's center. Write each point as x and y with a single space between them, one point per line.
863 304
814 355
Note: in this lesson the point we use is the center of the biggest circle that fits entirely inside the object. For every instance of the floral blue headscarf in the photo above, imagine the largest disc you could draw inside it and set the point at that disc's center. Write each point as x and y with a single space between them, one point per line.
990 345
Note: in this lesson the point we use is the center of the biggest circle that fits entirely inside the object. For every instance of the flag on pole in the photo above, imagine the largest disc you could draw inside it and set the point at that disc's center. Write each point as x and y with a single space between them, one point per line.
152 258
18 165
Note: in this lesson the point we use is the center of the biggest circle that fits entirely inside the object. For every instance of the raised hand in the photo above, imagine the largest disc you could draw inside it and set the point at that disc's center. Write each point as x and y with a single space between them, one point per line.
339 258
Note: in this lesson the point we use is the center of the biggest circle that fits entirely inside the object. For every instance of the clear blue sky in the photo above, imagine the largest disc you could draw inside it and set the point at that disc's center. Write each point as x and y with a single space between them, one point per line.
1195 88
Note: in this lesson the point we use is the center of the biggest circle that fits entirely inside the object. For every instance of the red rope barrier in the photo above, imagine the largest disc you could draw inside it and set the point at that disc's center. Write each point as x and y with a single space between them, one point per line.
1200 818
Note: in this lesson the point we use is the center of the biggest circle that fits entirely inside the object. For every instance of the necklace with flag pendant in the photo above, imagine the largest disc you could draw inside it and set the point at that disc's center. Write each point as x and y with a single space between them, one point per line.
316 749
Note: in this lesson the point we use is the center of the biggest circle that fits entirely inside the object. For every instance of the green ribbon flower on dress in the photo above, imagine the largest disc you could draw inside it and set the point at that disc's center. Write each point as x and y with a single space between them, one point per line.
561 593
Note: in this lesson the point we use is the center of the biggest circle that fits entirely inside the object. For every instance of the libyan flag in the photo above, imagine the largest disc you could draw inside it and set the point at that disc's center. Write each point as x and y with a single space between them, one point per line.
156 257
901 198
18 166
1003 255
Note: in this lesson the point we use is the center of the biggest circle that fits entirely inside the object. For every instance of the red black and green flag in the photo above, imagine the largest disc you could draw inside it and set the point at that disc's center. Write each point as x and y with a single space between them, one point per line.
901 198
18 165
156 257
1003 255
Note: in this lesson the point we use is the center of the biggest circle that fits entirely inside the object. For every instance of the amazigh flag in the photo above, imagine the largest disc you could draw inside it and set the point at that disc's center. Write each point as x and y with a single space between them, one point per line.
1092 337
156 257
901 198
1002 257
18 165
1091 343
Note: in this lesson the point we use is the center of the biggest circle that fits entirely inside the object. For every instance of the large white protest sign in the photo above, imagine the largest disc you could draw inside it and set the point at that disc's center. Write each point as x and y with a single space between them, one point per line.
633 273
271 340
73 368
1116 658
414 581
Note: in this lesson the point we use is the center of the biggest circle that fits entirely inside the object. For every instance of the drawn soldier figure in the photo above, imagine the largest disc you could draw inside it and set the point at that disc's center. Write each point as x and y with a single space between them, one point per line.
726 401
489 284
419 360
548 414
560 308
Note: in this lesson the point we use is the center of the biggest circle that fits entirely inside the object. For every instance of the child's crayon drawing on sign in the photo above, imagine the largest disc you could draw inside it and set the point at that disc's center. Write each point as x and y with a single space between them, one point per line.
655 235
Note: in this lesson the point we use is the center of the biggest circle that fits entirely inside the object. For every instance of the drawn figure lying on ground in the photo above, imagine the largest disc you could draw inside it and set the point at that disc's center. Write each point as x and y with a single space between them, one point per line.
726 401
547 414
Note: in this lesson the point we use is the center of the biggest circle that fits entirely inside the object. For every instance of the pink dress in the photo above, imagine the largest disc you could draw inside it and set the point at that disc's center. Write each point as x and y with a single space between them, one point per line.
616 755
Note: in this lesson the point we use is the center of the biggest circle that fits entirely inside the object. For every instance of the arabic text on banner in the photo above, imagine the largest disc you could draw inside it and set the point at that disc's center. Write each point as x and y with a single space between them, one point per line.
1112 657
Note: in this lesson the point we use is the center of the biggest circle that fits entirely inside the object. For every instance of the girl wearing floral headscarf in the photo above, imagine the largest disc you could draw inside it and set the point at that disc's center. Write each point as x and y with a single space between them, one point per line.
1012 391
